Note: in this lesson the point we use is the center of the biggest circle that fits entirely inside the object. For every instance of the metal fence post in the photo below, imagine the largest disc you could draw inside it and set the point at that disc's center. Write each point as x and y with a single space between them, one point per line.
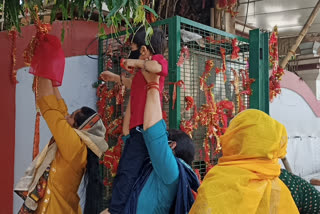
174 70
100 56
259 69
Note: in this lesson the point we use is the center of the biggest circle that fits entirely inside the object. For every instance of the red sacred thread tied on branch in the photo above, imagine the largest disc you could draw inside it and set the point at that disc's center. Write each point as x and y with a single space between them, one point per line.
179 83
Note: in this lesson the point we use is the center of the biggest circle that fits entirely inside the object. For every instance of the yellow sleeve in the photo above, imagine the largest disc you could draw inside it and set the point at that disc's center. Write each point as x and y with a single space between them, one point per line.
67 140
63 107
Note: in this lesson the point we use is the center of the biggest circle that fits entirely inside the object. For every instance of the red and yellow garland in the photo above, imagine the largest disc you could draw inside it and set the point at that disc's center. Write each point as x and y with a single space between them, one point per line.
13 36
277 71
113 127
41 31
224 66
215 116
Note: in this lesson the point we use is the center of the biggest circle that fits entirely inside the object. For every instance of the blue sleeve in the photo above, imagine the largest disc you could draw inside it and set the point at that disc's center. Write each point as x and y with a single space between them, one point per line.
125 138
163 161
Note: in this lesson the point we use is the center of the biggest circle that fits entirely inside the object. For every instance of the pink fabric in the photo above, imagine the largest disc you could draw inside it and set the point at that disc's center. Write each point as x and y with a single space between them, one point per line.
138 94
49 60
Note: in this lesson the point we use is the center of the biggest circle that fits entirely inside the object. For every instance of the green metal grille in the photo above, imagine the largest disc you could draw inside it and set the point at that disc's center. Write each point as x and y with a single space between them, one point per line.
201 51
183 32
112 49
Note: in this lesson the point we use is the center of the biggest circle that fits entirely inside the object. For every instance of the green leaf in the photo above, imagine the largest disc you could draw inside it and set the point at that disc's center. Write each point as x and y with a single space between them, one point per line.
87 3
149 33
99 6
117 7
140 15
151 10
72 7
64 11
126 21
109 4
101 30
136 2
53 14
62 34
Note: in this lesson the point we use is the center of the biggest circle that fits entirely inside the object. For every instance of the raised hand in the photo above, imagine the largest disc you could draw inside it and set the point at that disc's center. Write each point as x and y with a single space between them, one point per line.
108 76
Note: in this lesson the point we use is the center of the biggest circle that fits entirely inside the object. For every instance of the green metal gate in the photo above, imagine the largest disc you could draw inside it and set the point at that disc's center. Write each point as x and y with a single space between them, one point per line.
204 43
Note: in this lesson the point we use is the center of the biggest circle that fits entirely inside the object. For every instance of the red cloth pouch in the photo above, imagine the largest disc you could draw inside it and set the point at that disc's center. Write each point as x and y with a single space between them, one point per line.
49 60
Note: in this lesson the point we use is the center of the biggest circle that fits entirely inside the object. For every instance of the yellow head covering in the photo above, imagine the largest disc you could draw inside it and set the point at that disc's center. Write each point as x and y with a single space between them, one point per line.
246 178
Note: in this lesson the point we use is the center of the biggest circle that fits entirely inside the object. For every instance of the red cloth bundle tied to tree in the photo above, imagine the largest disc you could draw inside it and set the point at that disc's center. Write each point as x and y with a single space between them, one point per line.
49 60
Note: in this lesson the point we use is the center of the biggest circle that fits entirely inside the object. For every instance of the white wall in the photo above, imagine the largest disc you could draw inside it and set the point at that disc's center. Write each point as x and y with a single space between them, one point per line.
292 111
303 129
80 73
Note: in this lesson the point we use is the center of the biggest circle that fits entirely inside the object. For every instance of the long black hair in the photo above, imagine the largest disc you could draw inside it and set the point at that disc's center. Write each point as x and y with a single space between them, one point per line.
184 145
92 179
158 41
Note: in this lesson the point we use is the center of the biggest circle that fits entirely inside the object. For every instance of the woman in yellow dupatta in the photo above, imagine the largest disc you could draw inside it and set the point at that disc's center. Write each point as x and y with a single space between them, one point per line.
246 179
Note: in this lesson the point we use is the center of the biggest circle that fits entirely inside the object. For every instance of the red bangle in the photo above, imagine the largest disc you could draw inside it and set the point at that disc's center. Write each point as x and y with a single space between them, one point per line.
153 86
152 83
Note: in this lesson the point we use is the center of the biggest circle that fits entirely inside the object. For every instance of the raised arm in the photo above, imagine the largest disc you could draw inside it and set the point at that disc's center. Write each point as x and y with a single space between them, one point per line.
67 140
111 77
44 88
155 135
62 106
152 66
152 111
57 93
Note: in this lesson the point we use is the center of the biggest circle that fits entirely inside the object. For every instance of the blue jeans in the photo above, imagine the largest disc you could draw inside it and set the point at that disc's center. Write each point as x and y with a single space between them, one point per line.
130 164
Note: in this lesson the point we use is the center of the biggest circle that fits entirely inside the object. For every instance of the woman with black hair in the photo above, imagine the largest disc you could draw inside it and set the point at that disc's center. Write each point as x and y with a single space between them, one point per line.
51 183
166 180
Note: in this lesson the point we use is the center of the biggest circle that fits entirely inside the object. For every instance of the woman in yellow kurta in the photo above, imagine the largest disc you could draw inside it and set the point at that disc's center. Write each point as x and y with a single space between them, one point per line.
51 183
75 150
246 178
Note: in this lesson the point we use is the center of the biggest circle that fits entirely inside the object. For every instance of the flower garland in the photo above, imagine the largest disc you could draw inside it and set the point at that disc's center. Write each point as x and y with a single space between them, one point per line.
211 40
41 31
215 115
188 126
235 49
13 36
113 127
224 67
277 71
107 111
236 85
111 160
